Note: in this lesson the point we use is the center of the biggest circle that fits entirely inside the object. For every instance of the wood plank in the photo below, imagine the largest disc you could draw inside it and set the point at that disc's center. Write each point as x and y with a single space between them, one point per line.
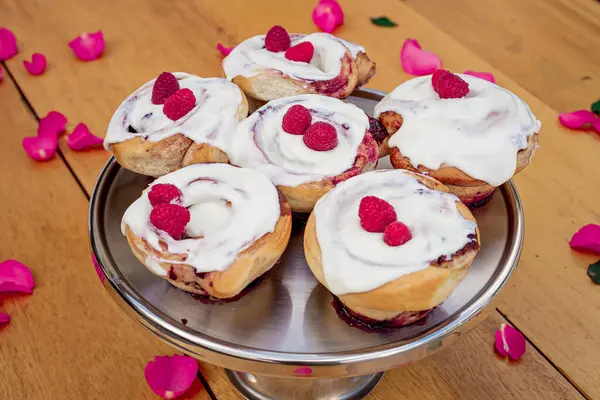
549 47
550 299
68 340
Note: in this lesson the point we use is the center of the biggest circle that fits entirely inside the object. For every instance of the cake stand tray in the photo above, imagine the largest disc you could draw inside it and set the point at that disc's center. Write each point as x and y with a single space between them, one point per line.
283 339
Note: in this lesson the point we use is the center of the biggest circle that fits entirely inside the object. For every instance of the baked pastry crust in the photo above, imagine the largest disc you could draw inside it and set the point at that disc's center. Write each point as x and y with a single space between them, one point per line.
417 291
250 264
170 154
466 188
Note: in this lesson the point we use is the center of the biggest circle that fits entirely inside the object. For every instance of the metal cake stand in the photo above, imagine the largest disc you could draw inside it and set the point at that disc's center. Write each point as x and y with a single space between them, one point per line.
283 339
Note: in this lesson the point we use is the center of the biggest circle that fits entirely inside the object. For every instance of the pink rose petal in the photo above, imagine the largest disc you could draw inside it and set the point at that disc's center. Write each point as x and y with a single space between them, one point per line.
417 61
1 73
304 371
37 66
482 75
8 44
40 148
170 377
511 342
52 125
328 15
15 277
88 46
4 318
98 269
225 50
595 123
577 119
82 138
587 239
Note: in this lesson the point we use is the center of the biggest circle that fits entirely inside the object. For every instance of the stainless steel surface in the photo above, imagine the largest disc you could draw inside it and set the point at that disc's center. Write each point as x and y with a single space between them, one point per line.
260 387
287 321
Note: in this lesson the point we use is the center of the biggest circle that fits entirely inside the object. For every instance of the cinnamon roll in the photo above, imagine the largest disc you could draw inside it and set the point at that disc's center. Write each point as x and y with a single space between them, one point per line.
472 144
176 120
317 63
390 245
306 145
209 229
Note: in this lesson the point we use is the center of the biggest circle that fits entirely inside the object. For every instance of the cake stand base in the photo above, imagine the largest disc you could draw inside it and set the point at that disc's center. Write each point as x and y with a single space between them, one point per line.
259 387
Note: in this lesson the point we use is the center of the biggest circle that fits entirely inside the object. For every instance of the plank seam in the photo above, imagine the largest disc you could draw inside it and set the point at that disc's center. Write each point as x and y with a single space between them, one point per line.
206 385
26 101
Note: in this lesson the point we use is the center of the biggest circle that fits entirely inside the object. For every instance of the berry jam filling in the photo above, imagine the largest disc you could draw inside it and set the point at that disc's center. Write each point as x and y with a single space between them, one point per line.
131 129
481 201
377 130
370 325
207 299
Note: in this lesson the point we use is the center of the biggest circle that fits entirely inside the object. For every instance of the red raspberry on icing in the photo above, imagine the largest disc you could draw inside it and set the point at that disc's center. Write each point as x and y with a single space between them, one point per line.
165 85
375 214
164 193
320 136
277 39
296 120
396 234
302 52
451 86
436 77
179 104
170 218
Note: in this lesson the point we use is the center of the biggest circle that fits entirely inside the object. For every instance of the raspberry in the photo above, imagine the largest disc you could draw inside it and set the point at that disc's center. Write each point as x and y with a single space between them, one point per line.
302 52
170 218
165 85
277 39
179 104
396 234
320 136
451 86
375 214
164 193
436 77
296 120
377 130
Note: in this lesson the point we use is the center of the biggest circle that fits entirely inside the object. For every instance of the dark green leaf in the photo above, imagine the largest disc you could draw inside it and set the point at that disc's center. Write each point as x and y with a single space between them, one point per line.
594 272
383 21
596 107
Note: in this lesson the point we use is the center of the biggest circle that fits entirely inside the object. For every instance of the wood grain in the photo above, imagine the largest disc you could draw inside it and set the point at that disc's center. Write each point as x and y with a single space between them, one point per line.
68 340
550 299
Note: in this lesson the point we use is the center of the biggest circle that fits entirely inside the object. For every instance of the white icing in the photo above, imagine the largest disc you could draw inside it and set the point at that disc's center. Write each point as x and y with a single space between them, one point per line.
212 121
479 134
261 143
250 58
231 207
355 260
155 266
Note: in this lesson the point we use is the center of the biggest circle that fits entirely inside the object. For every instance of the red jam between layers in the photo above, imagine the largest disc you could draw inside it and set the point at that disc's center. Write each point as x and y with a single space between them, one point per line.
370 325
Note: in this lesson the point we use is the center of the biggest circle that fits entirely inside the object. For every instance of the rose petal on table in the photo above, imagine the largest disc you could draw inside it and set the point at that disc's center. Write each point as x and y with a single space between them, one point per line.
303 371
417 61
482 75
40 148
511 342
52 125
170 377
596 125
4 318
577 119
98 269
82 138
587 239
8 44
88 46
1 73
328 15
224 50
37 65
15 277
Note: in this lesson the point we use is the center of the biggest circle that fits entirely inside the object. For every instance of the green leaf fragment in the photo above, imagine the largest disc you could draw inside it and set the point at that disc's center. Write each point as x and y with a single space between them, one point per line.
596 107
594 272
383 21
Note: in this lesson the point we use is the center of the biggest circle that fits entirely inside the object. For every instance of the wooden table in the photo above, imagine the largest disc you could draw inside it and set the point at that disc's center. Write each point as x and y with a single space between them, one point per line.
69 341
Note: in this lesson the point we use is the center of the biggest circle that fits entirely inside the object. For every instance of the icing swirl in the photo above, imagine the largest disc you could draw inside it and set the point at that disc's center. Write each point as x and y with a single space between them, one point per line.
356 261
230 209
212 120
479 134
261 143
250 58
